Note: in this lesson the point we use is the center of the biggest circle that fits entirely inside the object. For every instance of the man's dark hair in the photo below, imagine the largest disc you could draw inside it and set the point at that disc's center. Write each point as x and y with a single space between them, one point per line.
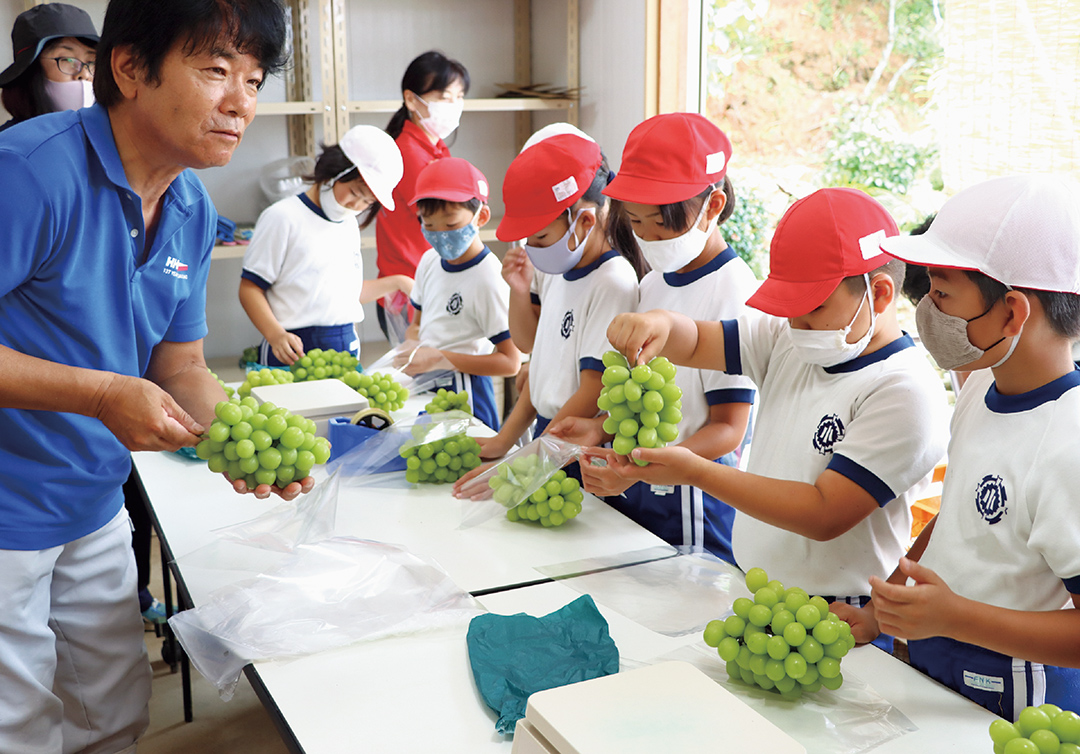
152 29
1062 309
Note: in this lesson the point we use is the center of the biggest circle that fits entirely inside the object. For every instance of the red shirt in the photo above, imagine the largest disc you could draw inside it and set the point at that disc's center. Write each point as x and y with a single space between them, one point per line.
398 240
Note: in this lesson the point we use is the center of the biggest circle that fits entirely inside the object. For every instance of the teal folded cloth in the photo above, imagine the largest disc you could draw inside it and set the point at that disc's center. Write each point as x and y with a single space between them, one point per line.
188 453
513 656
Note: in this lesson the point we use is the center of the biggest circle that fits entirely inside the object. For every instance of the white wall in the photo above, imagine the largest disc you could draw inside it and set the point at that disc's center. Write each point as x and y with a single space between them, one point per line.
383 38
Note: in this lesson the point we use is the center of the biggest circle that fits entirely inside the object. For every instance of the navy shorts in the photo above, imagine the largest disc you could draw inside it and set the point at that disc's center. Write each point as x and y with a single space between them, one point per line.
336 337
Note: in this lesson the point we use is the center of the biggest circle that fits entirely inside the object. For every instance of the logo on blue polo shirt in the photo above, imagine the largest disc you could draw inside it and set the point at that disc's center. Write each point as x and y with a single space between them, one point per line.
830 430
455 304
990 498
567 324
176 268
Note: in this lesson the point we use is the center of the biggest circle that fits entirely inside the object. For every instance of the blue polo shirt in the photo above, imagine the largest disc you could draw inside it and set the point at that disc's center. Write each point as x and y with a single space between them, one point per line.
78 287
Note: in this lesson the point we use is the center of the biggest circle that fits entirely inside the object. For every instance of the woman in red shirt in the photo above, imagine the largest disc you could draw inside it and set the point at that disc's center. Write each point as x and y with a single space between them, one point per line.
433 95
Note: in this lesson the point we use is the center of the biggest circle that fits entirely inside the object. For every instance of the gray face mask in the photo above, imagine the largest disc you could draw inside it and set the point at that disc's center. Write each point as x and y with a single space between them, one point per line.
945 336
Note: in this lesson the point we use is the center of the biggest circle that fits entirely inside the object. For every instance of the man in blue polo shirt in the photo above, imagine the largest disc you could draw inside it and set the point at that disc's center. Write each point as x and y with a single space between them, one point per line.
105 241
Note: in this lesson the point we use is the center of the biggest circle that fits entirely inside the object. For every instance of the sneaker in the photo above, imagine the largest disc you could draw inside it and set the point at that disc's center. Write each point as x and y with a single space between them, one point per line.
155 613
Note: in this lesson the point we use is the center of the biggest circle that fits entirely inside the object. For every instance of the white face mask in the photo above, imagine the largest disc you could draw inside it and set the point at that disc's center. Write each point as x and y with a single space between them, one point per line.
671 254
829 348
945 337
70 95
331 207
558 258
443 117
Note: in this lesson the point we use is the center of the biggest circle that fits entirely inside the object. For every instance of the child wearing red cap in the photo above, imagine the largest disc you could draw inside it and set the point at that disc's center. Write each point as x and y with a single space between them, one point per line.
851 416
995 577
674 192
460 297
585 274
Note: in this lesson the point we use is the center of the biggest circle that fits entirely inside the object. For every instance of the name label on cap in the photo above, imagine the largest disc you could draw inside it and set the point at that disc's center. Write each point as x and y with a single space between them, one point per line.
565 189
871 245
714 162
482 187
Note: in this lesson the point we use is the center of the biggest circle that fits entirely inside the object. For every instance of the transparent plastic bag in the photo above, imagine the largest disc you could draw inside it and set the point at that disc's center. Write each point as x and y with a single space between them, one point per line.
397 361
854 718
362 466
396 310
520 474
310 518
326 595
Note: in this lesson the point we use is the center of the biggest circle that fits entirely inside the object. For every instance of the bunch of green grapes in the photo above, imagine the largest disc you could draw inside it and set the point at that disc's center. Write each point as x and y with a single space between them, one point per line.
261 377
440 461
1046 729
643 403
447 400
553 504
323 364
229 391
555 501
380 389
782 640
261 444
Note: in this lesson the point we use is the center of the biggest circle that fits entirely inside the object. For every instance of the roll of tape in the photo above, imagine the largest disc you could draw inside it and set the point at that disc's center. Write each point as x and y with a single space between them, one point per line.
373 418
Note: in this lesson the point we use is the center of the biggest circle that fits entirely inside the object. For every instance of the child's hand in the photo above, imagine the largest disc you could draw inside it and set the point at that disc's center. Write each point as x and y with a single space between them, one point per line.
425 359
665 465
864 625
493 447
928 608
287 347
517 270
578 430
598 476
639 337
468 488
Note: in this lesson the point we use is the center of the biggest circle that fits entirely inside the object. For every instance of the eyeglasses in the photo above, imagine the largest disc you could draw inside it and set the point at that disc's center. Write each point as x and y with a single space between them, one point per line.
72 66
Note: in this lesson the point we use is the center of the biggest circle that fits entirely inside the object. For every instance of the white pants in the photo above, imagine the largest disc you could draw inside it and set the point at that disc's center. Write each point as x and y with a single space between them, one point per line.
74 673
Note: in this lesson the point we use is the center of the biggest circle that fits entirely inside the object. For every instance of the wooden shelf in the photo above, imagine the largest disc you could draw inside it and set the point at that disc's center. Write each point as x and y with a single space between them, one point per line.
489 105
289 108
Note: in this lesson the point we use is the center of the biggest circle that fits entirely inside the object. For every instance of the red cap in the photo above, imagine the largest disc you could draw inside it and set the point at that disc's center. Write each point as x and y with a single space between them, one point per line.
670 158
823 238
452 179
543 181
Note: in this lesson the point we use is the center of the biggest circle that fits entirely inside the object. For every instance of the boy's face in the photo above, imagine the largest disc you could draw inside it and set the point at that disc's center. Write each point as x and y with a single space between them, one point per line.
836 312
954 293
452 217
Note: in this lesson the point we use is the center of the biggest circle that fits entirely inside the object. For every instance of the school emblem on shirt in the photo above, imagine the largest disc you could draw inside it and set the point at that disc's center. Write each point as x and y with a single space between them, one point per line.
990 498
830 430
567 324
454 305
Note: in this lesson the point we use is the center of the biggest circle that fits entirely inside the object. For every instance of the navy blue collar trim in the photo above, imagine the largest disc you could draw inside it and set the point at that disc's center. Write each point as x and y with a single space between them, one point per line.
1014 404
679 279
898 345
578 274
314 207
451 267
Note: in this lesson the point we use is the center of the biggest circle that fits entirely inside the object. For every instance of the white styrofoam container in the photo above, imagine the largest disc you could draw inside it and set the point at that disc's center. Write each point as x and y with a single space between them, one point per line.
669 707
318 400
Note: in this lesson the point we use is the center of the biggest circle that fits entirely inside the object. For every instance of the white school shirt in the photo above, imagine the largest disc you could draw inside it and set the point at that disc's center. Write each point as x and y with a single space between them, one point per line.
1008 533
575 311
464 307
309 266
715 291
879 420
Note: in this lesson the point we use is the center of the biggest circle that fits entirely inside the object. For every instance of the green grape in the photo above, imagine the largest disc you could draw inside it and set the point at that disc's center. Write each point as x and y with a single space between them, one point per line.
1066 724
741 607
760 615
636 399
714 632
1046 741
1032 719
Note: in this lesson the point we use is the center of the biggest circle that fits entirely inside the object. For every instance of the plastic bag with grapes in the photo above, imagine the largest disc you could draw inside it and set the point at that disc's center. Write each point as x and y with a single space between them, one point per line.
399 362
515 479
360 465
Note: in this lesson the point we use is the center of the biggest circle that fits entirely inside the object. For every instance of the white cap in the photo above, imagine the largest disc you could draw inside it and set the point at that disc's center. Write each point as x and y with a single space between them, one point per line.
555 129
378 159
1021 230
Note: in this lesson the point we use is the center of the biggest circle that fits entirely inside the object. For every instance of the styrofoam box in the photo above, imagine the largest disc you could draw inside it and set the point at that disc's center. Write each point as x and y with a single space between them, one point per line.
318 400
669 707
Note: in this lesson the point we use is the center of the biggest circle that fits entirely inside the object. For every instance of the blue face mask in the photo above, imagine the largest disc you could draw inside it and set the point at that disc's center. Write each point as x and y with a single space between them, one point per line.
451 244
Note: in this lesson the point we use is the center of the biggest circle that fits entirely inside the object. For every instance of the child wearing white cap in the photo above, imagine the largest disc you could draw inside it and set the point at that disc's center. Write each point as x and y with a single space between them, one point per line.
673 192
303 283
988 595
851 416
